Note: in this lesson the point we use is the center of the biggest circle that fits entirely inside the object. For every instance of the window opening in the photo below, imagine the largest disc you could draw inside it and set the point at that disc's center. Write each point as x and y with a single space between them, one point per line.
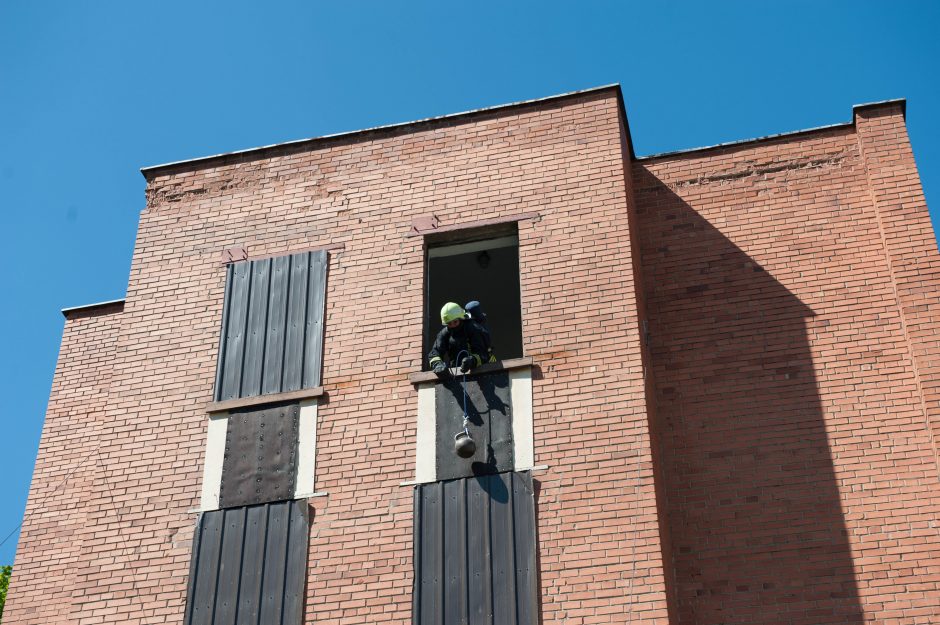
483 266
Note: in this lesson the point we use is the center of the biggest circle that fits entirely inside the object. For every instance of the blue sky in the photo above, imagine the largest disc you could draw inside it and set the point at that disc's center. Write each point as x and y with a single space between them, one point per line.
92 91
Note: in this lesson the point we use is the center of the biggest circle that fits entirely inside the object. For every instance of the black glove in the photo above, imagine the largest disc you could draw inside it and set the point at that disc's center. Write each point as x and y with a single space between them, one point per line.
439 367
466 364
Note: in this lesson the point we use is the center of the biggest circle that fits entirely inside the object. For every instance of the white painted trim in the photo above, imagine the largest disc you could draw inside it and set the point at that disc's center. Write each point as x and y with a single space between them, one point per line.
473 246
425 440
306 449
520 389
540 467
215 456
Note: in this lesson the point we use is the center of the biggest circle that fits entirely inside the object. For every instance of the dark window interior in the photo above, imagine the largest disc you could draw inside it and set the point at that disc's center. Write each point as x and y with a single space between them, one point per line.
476 265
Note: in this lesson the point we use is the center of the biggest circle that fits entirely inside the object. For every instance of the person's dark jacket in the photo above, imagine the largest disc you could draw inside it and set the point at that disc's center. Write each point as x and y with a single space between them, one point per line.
450 342
488 355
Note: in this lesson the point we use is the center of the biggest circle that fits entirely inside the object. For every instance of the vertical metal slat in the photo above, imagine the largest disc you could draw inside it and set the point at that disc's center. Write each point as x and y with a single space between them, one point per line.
256 532
504 588
230 567
313 344
294 584
417 556
277 321
204 591
255 332
292 378
275 558
223 334
452 555
235 336
479 554
194 564
526 542
431 551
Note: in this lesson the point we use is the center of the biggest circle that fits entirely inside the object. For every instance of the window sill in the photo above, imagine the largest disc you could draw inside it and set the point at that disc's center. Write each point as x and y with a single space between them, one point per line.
425 377
259 400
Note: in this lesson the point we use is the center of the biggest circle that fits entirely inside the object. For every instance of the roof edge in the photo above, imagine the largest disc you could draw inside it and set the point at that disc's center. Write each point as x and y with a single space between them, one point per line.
154 170
74 310
882 103
780 135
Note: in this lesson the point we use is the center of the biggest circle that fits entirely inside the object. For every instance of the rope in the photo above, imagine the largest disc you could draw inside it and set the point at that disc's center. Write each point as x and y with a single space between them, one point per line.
463 384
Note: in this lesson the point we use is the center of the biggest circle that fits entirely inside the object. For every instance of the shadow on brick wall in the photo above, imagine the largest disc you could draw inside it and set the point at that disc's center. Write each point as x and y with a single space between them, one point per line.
756 529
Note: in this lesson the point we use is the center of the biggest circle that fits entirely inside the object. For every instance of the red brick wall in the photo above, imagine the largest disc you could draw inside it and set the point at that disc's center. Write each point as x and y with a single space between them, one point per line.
50 549
910 244
801 483
599 547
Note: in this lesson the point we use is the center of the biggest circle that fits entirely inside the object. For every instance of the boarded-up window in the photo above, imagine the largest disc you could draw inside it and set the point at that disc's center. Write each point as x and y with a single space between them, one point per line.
272 326
249 558
475 551
249 565
260 462
488 406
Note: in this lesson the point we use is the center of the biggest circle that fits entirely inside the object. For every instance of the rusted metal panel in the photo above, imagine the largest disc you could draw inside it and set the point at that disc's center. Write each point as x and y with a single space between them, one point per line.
249 563
260 463
489 408
272 326
475 551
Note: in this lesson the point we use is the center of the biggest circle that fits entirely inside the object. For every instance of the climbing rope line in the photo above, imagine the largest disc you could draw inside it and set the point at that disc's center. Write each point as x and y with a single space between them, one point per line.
464 445
463 384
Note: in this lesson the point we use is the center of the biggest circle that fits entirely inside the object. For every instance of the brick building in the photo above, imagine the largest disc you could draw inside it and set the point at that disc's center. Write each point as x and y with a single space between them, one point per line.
717 400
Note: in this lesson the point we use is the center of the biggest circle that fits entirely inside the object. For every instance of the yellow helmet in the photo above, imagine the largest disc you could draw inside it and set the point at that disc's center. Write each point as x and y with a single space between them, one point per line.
452 311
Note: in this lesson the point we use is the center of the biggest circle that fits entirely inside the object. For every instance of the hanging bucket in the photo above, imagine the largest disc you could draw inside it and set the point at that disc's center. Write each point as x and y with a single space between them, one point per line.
464 445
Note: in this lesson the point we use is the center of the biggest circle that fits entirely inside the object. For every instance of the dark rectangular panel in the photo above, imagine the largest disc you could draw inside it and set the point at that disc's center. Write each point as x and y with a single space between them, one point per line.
260 462
275 550
526 580
455 565
296 321
294 585
249 594
479 554
256 330
316 298
255 569
489 409
428 535
475 551
230 569
277 323
272 326
502 563
232 348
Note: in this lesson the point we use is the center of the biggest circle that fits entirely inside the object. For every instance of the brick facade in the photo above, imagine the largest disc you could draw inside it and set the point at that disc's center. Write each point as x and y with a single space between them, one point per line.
800 470
768 457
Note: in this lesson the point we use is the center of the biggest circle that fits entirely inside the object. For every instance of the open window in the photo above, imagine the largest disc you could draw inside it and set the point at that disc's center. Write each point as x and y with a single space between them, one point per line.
480 264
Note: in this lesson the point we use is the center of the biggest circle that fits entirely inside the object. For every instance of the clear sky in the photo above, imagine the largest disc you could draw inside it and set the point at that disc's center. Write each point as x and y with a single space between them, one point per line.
92 91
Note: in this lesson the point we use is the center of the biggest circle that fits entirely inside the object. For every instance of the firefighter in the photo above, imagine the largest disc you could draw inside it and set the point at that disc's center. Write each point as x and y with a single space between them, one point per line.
479 317
459 338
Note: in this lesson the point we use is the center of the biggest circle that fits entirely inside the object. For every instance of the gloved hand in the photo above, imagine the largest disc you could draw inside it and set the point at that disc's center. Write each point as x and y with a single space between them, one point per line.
466 364
439 367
